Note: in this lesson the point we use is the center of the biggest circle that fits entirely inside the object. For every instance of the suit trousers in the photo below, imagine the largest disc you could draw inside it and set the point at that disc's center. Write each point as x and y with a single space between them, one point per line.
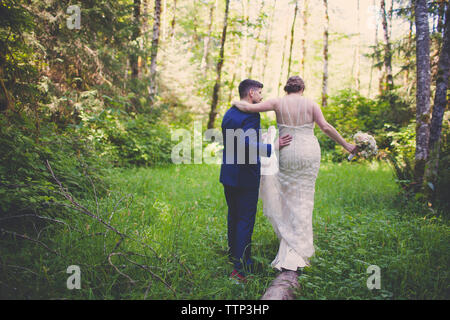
242 204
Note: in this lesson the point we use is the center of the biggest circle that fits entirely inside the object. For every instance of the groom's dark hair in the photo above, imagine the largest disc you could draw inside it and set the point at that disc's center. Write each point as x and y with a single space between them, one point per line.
246 85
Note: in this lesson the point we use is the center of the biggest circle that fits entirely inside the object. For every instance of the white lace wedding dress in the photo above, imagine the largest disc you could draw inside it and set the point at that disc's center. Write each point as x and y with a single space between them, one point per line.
288 195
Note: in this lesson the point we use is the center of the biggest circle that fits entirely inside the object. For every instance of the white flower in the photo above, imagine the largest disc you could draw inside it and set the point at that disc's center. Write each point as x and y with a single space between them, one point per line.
366 144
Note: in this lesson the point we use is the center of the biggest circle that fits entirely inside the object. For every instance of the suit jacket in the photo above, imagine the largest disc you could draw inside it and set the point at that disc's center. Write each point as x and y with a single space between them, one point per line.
242 169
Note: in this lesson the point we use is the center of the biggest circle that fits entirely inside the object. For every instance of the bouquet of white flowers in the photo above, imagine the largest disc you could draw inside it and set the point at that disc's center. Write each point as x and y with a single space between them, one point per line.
367 146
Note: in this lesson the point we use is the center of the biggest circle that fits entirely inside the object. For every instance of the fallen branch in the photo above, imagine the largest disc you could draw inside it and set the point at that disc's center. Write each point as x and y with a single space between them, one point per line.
117 269
109 221
142 267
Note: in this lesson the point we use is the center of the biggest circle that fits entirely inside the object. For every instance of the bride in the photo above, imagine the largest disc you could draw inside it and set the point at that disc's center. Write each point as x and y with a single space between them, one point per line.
288 196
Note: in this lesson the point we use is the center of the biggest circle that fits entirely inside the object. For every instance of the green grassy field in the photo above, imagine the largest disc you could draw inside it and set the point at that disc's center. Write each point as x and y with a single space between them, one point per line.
179 212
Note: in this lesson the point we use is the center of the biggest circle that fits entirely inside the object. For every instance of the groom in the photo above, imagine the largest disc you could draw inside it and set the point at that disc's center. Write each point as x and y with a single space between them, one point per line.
240 174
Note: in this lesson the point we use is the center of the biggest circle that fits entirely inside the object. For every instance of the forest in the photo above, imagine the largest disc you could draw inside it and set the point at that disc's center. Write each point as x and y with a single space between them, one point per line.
91 93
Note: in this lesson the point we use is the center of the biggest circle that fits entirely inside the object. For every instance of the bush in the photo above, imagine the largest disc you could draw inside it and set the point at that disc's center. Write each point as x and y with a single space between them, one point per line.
350 112
128 139
26 185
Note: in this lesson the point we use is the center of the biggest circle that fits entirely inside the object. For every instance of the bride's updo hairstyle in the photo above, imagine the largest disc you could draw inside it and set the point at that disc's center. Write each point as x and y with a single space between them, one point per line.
294 84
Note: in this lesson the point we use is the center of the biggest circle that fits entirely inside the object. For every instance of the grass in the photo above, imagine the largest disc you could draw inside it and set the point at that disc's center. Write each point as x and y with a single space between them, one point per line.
180 212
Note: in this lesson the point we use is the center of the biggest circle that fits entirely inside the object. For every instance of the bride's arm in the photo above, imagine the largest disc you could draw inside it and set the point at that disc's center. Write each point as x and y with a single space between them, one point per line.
268 105
330 131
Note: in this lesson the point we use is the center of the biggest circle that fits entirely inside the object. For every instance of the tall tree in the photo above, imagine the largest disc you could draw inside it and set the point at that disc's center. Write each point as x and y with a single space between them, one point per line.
283 56
440 104
207 40
423 89
358 54
194 37
305 33
134 57
216 90
259 25
268 41
389 80
244 46
325 56
442 5
292 38
409 52
154 49
163 20
375 49
172 23
145 28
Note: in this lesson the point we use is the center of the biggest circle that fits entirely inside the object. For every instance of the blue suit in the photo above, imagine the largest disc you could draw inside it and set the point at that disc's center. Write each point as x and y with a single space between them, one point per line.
240 174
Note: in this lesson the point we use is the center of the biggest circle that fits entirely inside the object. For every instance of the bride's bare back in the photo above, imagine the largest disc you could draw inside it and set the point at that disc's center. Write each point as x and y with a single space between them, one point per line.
295 110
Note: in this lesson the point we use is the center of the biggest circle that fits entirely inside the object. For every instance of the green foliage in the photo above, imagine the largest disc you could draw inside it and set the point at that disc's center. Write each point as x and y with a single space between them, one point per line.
401 155
18 72
266 122
350 112
128 139
26 185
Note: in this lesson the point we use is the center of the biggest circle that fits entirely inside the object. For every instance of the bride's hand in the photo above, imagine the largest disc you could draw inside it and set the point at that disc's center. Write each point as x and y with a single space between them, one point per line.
351 148
241 105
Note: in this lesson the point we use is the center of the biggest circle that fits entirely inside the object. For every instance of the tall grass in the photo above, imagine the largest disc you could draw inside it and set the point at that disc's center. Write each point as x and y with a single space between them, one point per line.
180 213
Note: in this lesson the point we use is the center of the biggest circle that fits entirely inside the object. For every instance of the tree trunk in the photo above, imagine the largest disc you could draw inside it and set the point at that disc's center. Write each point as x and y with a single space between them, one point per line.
134 57
6 99
292 38
194 38
358 58
283 56
391 14
206 42
268 41
215 96
259 26
305 28
409 46
325 57
154 49
374 52
244 47
231 87
440 104
283 287
389 81
423 89
172 23
442 5
145 28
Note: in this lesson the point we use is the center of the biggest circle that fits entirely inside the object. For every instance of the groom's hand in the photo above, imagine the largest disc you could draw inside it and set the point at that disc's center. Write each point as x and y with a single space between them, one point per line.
284 141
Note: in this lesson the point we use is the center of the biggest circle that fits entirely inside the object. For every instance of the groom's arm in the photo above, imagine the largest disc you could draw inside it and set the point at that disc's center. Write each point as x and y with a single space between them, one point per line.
252 140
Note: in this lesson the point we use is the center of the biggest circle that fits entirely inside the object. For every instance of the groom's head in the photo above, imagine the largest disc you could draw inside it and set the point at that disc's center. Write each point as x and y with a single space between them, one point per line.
250 90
